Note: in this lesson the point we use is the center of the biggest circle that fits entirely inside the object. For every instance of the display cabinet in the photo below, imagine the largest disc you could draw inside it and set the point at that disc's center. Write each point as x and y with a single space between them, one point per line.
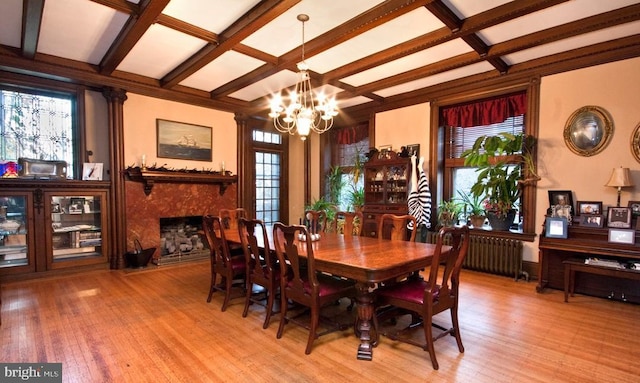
386 188
16 231
77 222
47 226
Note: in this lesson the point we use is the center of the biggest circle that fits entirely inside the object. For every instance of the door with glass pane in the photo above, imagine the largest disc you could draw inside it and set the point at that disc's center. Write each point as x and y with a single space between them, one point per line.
16 250
268 186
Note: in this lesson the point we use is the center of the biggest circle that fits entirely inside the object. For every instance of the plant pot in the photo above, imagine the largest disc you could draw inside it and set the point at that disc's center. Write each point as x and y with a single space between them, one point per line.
477 221
502 222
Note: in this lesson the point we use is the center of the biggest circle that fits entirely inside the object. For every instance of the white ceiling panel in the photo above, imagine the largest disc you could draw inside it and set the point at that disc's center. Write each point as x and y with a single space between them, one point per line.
214 16
401 29
67 31
573 43
416 60
465 8
229 66
436 79
285 32
10 27
160 50
267 86
548 18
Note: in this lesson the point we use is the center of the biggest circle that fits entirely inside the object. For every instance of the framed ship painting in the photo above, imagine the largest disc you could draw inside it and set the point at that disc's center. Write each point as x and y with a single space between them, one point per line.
183 141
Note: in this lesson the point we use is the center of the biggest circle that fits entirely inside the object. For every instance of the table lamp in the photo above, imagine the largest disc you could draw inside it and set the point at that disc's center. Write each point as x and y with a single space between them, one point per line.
620 178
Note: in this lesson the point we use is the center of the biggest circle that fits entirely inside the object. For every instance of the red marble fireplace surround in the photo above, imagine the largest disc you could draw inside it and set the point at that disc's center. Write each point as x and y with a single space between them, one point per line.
170 200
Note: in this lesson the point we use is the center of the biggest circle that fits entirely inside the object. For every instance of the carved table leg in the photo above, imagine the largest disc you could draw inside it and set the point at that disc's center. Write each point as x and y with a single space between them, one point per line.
365 308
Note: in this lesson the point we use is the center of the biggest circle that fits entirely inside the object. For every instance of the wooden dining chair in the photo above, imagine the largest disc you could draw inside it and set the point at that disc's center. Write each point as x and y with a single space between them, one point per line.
262 266
394 227
316 221
232 269
433 296
351 223
303 284
230 219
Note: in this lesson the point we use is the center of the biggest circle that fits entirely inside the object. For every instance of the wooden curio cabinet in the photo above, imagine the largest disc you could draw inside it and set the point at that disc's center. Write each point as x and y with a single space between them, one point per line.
386 188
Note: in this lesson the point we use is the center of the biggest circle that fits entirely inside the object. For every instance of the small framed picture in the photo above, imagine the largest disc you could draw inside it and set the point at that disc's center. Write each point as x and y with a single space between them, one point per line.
414 150
92 171
592 220
635 208
556 227
590 207
384 151
625 236
561 211
619 217
55 208
76 205
560 197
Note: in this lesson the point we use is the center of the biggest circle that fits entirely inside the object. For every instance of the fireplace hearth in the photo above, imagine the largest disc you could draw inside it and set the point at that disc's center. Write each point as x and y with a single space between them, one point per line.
181 239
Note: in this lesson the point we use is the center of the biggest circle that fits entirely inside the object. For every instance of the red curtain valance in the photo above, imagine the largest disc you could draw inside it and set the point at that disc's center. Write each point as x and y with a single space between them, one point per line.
486 112
350 135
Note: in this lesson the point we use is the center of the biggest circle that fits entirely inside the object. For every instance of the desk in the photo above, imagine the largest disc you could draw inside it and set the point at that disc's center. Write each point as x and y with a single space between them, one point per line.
367 261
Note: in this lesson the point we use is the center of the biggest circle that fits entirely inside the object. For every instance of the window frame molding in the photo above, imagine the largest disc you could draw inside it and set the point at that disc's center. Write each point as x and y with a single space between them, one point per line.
21 83
443 179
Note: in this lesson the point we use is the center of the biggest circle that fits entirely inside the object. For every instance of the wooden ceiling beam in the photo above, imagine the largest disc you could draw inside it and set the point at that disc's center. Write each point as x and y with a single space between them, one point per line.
31 22
133 30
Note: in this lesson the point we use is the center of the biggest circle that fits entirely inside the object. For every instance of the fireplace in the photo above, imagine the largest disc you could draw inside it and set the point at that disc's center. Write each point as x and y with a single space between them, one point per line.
181 238
170 200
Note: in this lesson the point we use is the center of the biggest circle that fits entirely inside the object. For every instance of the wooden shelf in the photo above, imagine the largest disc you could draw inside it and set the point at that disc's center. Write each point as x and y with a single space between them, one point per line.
150 177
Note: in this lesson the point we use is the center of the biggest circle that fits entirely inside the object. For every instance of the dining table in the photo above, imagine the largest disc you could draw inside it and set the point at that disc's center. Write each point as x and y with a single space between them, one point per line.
368 261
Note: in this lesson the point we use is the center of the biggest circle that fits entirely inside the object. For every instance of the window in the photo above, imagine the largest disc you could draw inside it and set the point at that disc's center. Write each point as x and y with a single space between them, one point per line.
348 148
462 124
268 177
37 125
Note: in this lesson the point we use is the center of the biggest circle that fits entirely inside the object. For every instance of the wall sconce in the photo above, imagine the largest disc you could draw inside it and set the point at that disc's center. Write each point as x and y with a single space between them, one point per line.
620 178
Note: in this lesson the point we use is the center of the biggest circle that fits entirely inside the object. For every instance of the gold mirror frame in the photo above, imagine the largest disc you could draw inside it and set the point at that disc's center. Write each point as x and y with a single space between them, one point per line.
588 131
635 143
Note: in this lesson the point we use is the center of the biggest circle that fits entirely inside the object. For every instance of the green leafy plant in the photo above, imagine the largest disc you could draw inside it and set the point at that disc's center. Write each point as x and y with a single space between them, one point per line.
474 204
502 160
449 212
322 204
355 199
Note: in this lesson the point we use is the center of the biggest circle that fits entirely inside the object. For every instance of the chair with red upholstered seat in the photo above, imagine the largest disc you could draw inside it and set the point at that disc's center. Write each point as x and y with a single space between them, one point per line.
433 296
303 284
231 268
229 218
262 266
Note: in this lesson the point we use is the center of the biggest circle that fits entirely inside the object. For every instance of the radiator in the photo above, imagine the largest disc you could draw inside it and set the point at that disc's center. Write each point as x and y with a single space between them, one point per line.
493 255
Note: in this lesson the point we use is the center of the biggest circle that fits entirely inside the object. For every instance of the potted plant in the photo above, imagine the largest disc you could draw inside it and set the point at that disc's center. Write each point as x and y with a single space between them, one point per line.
502 161
449 212
474 208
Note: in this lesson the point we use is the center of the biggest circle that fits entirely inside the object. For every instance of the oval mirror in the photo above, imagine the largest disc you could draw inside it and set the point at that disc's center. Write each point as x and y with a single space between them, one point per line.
588 130
635 143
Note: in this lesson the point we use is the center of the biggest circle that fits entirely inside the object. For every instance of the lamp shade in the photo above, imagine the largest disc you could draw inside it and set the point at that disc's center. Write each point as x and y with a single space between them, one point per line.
621 177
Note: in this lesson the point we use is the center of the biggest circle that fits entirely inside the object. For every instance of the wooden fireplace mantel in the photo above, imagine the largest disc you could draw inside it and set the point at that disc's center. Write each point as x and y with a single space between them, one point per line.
150 177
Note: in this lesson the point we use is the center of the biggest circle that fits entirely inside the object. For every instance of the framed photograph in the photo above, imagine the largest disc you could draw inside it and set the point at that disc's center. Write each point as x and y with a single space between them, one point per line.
556 227
560 197
183 141
592 220
635 208
76 205
383 151
561 211
590 207
92 171
625 236
414 150
619 217
55 208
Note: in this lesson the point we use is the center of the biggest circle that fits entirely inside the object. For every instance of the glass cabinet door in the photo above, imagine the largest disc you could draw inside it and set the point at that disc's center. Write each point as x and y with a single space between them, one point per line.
77 223
14 249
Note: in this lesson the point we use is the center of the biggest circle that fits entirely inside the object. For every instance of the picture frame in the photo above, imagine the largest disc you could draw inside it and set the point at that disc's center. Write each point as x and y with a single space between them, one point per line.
556 227
76 205
560 197
92 171
383 151
588 130
55 208
414 150
589 207
635 208
592 220
619 217
625 236
562 211
183 141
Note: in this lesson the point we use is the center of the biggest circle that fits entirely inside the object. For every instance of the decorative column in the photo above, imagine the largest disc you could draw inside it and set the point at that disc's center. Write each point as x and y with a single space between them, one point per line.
117 213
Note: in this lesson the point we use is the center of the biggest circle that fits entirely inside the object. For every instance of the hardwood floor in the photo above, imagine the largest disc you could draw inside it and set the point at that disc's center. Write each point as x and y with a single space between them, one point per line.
154 325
